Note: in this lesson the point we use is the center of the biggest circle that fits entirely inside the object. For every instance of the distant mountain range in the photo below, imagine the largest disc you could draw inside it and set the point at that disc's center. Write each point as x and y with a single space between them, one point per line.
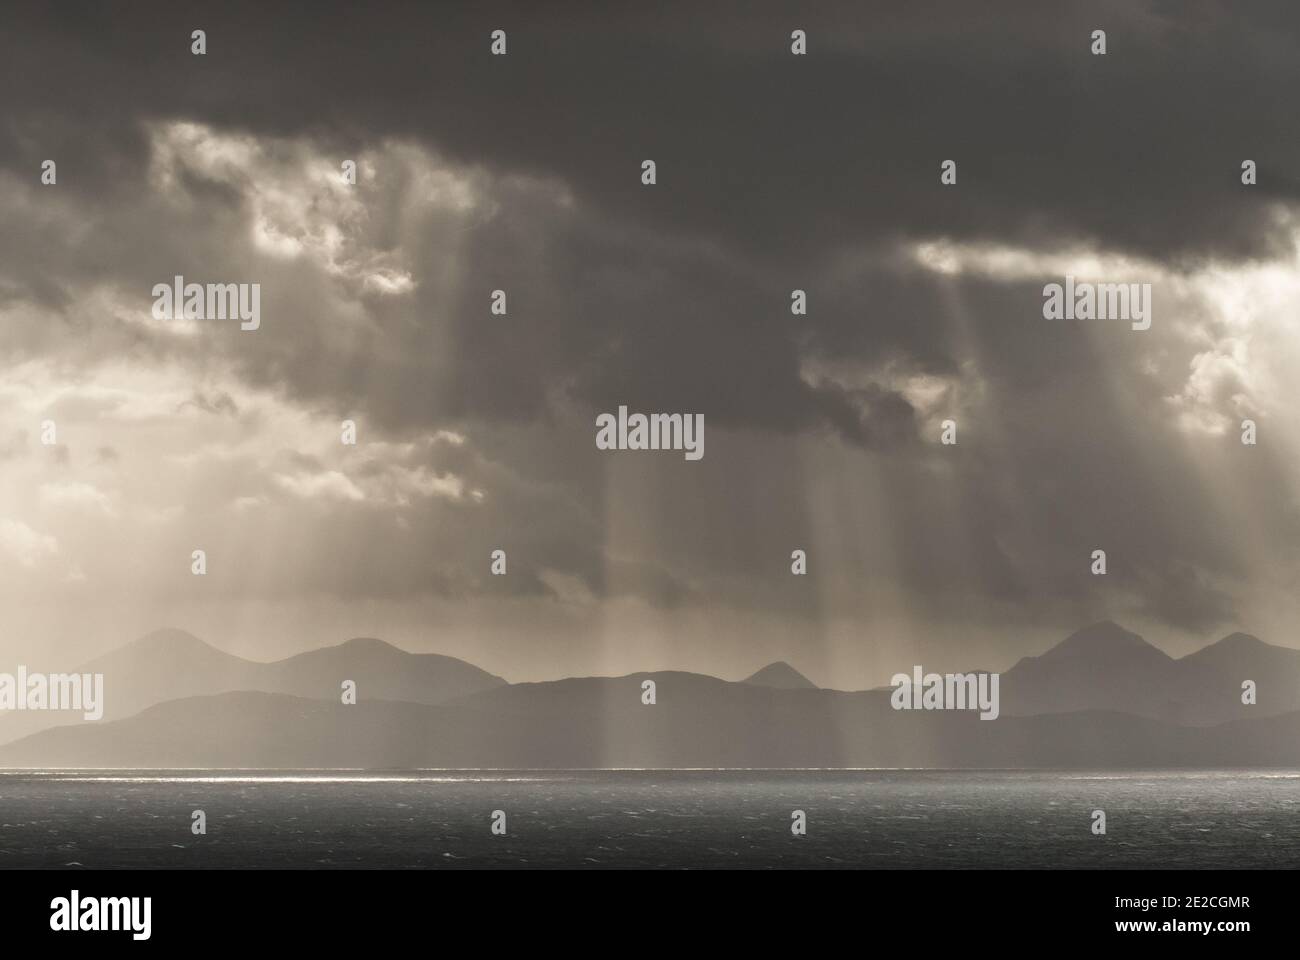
173 665
1105 667
1103 697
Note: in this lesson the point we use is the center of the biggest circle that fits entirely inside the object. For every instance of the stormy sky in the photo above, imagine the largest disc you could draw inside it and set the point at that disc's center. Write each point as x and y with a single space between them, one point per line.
476 432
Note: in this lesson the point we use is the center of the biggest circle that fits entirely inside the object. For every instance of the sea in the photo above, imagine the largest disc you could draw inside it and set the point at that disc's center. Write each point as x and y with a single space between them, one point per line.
662 819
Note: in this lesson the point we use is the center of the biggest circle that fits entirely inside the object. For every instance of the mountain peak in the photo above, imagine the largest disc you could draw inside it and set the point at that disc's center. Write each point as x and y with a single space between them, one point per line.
170 644
1241 640
1105 638
369 643
780 674
169 637
1234 646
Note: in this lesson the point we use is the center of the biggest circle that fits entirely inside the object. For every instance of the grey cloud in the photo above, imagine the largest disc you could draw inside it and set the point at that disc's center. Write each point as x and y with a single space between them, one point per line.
775 173
784 157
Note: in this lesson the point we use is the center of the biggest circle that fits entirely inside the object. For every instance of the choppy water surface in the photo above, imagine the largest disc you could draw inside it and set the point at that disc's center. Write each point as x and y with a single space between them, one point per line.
880 819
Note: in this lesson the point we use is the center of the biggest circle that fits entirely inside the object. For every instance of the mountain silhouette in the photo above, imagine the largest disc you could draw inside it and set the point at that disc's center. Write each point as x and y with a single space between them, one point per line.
697 722
1102 697
1101 667
172 664
1211 679
1105 667
380 670
780 674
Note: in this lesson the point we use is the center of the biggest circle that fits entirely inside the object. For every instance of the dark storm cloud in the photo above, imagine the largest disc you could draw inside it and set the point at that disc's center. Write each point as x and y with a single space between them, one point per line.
780 160
782 155
775 173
